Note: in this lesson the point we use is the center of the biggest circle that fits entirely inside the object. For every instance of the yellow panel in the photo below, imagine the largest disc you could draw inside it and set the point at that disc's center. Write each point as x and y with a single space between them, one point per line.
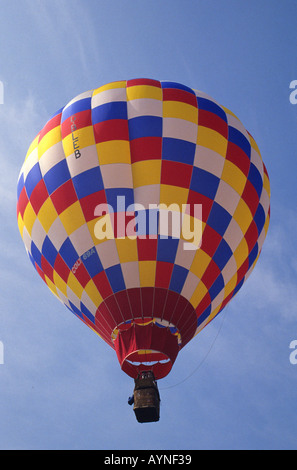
61 285
29 217
234 177
230 286
84 138
266 184
200 263
241 253
110 86
266 225
180 110
213 314
254 144
50 139
114 151
51 286
72 217
147 273
33 146
74 285
227 111
243 216
127 250
213 140
47 214
173 195
144 91
20 224
146 172
93 293
198 295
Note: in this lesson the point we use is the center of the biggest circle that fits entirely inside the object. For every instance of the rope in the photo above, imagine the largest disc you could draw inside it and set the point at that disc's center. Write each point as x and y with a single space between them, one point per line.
203 360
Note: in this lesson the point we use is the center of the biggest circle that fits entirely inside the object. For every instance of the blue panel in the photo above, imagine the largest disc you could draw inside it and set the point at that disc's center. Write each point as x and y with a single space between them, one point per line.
88 182
255 178
115 277
219 218
259 218
33 178
222 254
20 185
49 251
178 278
167 248
107 111
35 253
204 315
253 254
217 286
236 137
56 114
87 312
114 195
238 287
207 105
147 222
177 86
178 150
56 176
204 182
80 105
145 126
68 253
92 262
74 309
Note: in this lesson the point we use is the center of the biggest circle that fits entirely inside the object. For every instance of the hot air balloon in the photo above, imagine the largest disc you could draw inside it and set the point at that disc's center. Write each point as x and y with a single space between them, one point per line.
143 205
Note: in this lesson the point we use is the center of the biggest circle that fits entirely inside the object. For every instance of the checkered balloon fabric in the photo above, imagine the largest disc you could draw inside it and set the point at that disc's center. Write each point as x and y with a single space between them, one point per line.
144 203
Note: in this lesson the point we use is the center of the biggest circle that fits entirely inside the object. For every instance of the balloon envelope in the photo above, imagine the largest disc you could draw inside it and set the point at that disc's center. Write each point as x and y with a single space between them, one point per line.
144 205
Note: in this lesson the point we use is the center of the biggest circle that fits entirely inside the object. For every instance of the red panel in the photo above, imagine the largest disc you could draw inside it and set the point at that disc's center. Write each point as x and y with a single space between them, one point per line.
242 270
64 196
61 268
170 304
196 198
123 302
114 309
47 269
251 235
163 274
82 275
89 203
102 283
250 197
147 295
143 81
82 119
159 301
213 121
104 319
237 156
176 173
38 196
174 94
113 129
210 240
211 273
205 302
147 249
22 202
51 124
135 302
146 148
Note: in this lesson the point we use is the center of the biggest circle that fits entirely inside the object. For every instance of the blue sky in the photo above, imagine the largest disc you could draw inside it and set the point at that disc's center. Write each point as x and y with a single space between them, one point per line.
233 386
